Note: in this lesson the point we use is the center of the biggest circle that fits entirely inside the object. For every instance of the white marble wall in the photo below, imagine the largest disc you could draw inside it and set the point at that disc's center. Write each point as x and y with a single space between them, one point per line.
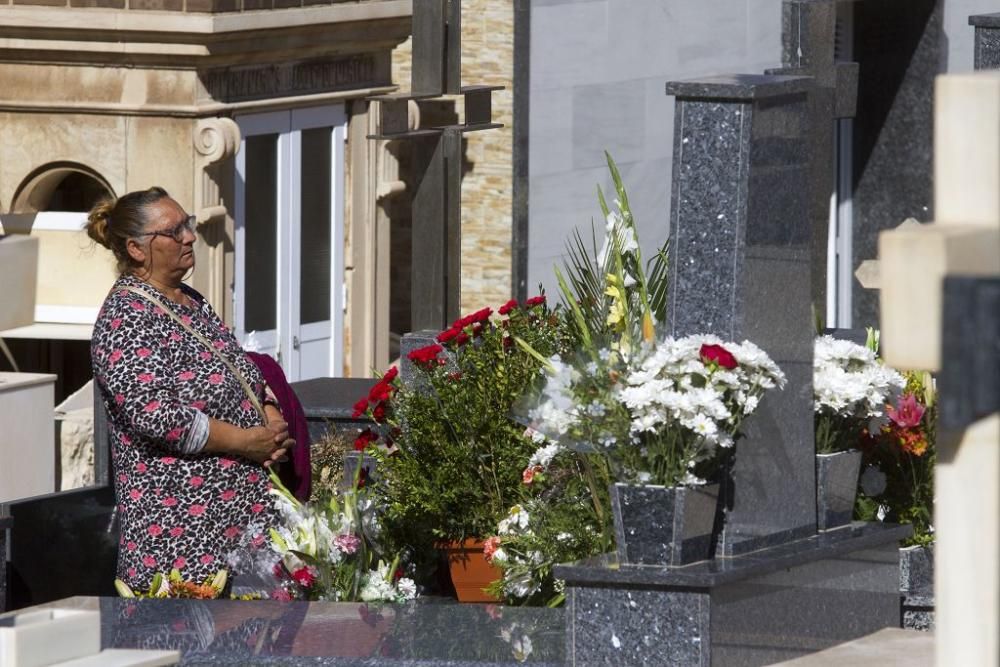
598 70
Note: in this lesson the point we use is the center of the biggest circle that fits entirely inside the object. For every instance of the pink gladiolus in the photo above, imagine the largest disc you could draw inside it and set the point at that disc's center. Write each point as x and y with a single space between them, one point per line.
908 414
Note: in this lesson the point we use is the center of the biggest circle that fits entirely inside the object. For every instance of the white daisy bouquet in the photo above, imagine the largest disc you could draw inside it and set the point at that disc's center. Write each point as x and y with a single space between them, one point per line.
851 388
662 415
323 551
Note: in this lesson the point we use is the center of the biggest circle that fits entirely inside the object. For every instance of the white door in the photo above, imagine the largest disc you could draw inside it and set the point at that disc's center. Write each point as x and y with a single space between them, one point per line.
288 288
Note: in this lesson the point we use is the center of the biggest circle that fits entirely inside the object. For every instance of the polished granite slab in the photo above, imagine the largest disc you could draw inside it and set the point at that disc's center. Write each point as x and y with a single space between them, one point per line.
604 570
426 632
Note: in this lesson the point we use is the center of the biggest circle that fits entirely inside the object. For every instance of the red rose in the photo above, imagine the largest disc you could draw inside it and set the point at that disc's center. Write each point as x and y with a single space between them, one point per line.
448 335
535 301
507 307
390 374
360 408
462 338
366 438
481 315
378 412
426 357
718 355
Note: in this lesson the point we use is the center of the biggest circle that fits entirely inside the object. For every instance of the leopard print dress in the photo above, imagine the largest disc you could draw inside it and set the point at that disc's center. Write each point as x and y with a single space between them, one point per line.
176 510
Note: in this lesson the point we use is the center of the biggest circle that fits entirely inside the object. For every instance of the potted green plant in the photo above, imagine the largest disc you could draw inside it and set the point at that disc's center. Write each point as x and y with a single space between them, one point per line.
449 455
851 388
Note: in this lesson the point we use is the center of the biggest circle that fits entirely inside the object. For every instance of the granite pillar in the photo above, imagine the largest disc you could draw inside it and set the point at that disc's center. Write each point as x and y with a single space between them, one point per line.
740 248
755 609
987 46
898 45
812 45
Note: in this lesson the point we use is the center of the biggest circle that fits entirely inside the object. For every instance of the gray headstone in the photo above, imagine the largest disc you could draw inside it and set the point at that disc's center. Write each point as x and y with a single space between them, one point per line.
987 45
740 244
4 527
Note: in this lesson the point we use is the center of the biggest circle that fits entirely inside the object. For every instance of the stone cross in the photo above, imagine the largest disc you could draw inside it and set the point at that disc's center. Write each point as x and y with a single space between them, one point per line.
940 304
437 166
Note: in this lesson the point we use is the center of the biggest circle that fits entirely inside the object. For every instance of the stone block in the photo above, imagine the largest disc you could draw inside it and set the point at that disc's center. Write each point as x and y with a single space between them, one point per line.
740 270
212 6
986 53
157 5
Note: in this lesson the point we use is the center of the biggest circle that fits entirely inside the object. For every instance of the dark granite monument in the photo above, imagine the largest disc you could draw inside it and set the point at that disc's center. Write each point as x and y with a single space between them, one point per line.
987 44
740 246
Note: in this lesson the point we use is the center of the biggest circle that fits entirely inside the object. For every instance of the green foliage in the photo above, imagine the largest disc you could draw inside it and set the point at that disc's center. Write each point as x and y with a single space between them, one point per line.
456 465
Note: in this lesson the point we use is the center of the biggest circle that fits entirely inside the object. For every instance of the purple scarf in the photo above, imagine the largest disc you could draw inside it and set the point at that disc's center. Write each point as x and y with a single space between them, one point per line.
296 474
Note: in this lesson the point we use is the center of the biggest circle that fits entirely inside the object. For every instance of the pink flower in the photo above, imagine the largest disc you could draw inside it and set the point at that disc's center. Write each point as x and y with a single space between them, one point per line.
219 344
226 463
114 357
119 398
215 378
124 439
228 494
143 352
198 405
155 530
257 540
348 543
304 577
180 563
115 323
257 508
186 319
170 501
131 546
908 414
253 478
231 532
176 531
174 336
167 459
152 406
140 467
206 559
146 378
149 561
196 510
246 405
122 477
281 595
131 572
135 494
184 376
490 547
196 481
205 356
528 476
174 434
137 305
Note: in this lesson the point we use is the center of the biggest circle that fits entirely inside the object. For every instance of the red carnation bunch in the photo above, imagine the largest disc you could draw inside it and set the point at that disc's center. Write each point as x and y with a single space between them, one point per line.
427 357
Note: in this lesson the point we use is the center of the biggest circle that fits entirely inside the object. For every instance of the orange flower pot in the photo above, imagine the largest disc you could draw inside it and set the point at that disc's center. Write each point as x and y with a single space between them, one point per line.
470 573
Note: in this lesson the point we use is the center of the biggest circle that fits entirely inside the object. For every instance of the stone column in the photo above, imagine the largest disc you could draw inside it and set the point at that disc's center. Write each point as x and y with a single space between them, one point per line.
986 52
739 245
216 141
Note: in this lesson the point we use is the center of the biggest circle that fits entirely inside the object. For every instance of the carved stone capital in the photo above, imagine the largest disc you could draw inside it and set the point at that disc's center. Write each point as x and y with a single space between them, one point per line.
216 139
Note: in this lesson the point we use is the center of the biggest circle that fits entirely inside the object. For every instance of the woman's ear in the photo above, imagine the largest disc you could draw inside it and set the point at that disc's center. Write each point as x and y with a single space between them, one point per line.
136 251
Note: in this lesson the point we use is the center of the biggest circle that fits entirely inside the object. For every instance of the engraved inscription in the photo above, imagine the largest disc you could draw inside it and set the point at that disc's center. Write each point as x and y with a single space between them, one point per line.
236 84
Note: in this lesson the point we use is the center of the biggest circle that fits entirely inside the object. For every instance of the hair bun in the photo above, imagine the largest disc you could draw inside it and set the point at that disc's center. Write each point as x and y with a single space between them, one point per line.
98 220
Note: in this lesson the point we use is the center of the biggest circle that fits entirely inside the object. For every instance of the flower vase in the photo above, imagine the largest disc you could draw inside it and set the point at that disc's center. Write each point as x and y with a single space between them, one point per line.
836 488
659 525
470 572
916 586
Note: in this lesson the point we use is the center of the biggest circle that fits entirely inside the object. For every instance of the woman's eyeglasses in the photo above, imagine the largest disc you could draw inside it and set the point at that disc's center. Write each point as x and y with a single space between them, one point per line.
177 231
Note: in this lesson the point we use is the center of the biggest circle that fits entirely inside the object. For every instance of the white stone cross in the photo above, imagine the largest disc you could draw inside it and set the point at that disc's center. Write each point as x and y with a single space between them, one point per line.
964 240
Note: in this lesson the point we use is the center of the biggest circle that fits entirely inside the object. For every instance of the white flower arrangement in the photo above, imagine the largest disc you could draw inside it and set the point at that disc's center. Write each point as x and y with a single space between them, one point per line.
658 413
851 388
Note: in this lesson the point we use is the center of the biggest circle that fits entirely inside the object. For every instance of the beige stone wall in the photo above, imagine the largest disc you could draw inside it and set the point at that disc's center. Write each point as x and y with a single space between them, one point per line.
487 59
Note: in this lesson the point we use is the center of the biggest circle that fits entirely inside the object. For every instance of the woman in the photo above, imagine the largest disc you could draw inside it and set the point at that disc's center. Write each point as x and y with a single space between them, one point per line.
189 445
